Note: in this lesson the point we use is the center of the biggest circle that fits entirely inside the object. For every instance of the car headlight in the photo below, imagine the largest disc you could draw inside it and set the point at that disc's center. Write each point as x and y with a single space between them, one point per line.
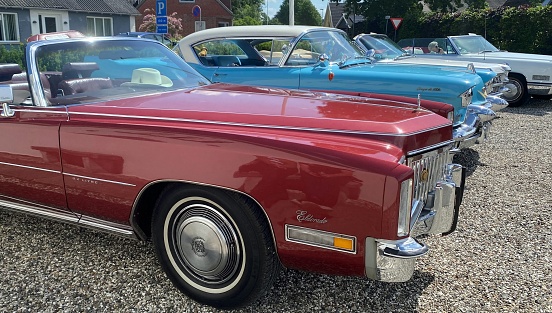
450 116
405 207
466 97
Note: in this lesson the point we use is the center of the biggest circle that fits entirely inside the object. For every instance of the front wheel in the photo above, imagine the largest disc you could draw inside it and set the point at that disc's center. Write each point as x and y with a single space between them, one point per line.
214 246
517 94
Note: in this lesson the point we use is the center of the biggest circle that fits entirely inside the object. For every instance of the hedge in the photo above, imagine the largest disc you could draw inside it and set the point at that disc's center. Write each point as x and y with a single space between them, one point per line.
12 54
516 29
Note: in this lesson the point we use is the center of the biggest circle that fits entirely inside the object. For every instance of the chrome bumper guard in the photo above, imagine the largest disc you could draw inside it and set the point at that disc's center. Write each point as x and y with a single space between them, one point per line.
496 103
477 125
394 260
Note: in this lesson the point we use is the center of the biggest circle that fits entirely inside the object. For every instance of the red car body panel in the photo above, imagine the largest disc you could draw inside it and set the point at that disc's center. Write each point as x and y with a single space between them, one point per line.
329 162
276 150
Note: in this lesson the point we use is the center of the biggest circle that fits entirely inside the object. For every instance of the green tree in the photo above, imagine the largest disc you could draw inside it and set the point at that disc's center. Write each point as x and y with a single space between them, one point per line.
305 13
375 11
248 12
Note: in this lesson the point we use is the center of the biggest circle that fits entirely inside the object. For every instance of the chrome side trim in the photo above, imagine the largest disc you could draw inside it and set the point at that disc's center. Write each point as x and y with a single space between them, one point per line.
70 218
31 167
259 125
68 174
99 179
43 111
49 213
110 227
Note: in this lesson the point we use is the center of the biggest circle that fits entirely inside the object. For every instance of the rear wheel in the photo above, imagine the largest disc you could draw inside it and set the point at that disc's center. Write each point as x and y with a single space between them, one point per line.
517 94
215 246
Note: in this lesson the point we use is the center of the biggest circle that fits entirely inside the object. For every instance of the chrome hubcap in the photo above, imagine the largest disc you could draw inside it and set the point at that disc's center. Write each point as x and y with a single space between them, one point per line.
513 90
206 243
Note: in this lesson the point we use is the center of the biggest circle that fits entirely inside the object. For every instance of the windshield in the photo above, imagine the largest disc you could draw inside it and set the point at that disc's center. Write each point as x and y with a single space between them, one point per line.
384 47
473 44
334 44
99 70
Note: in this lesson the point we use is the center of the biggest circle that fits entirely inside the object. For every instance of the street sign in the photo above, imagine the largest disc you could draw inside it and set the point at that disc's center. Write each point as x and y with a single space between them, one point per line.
396 21
162 29
161 20
199 25
196 10
161 7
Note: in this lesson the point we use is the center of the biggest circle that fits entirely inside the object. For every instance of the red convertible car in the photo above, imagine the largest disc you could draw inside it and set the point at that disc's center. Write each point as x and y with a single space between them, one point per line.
229 182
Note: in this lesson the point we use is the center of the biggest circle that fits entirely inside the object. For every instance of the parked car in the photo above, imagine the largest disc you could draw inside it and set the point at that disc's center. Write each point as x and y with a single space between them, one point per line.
530 75
56 35
227 181
313 58
163 38
382 49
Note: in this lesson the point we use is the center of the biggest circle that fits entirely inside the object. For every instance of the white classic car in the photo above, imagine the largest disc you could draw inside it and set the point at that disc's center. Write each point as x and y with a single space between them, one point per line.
384 50
530 75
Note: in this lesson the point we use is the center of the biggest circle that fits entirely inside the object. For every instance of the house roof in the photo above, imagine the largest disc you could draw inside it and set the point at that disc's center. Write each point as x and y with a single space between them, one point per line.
95 6
338 19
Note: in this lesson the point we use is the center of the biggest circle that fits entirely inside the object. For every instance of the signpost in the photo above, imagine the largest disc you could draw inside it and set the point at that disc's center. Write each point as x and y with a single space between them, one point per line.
196 11
396 22
161 19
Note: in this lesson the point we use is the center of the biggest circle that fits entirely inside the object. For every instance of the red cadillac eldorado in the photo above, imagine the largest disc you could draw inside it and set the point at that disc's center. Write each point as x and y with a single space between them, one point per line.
229 182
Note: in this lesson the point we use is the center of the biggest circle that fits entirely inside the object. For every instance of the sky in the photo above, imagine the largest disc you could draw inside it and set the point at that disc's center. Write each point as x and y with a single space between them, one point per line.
274 6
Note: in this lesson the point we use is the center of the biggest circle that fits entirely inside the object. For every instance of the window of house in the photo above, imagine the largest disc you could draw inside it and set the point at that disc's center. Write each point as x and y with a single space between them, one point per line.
99 26
8 27
223 24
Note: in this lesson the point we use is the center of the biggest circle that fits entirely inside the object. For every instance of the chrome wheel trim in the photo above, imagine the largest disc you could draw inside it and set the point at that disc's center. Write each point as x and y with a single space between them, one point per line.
515 90
222 236
206 244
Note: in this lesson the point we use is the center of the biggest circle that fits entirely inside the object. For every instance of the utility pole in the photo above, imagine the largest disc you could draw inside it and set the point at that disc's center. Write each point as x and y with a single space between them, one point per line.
291 12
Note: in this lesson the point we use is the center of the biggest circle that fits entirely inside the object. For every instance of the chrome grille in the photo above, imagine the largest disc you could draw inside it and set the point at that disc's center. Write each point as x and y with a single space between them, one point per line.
428 169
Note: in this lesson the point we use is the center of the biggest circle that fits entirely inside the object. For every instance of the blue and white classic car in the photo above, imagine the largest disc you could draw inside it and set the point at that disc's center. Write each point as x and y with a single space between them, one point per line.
382 49
320 58
531 74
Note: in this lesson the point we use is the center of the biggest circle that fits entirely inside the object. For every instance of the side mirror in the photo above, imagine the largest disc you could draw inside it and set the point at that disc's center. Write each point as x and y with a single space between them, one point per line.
6 94
6 97
371 53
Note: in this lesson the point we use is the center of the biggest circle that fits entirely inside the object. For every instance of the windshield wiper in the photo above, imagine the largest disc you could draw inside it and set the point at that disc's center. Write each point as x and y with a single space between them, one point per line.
366 61
484 51
406 54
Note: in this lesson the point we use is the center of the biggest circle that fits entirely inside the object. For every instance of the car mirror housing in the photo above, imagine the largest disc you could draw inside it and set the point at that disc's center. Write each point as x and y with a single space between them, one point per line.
6 94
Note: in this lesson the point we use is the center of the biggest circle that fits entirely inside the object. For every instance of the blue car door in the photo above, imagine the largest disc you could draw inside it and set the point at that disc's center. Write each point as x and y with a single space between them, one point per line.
273 76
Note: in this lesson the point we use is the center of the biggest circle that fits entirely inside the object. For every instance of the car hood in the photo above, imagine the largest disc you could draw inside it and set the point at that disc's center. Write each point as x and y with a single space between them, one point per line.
497 68
422 78
392 121
514 56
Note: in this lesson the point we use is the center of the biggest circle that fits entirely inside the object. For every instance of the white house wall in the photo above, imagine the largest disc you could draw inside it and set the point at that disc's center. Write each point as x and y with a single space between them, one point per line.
62 19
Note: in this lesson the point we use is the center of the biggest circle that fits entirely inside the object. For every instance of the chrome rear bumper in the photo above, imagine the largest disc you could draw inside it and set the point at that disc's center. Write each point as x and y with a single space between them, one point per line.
394 260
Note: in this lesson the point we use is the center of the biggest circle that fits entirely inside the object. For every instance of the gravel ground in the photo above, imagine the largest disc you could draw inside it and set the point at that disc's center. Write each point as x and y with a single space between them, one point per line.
498 260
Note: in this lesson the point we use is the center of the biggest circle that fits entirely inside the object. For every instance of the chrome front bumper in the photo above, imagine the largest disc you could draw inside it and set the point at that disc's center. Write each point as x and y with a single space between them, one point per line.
477 125
394 260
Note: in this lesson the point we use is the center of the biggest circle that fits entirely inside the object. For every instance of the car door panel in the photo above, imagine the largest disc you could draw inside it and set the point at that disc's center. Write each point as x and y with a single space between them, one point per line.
30 161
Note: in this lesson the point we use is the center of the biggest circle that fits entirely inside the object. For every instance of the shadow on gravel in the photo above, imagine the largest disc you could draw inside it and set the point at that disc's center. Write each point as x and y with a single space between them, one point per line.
308 292
468 158
535 107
